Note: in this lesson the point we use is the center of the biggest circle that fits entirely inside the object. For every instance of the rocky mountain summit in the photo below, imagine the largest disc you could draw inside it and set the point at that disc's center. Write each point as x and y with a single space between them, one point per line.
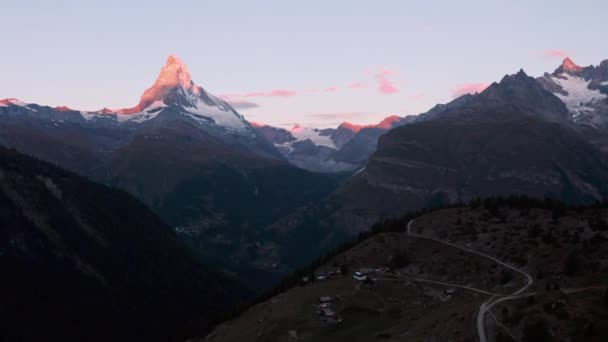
584 90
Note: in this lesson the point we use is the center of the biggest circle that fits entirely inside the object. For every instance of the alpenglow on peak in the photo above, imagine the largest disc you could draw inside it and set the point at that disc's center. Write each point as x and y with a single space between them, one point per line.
173 75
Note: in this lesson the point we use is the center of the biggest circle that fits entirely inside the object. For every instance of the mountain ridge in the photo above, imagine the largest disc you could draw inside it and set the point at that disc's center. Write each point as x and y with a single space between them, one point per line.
344 148
173 96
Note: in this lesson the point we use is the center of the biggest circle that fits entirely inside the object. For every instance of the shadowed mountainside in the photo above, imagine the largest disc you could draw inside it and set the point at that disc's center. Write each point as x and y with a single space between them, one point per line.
81 261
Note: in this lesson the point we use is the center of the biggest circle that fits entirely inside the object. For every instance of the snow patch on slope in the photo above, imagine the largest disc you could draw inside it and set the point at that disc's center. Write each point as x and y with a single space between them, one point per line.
302 133
147 113
18 103
579 95
88 115
221 116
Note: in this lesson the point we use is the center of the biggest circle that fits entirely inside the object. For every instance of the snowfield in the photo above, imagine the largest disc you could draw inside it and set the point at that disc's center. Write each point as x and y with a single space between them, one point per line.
302 133
579 95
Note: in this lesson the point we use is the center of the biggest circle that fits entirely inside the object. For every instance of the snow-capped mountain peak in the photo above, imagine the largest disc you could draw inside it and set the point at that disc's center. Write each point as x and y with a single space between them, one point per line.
174 92
582 90
313 134
172 96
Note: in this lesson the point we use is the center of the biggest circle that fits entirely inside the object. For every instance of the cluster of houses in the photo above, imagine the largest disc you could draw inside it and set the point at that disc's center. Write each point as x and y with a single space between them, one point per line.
365 273
325 307
330 273
325 312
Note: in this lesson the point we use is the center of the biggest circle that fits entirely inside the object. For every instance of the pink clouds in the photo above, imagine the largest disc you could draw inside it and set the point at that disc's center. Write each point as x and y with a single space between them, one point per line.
272 93
357 85
468 88
383 79
331 89
385 84
557 53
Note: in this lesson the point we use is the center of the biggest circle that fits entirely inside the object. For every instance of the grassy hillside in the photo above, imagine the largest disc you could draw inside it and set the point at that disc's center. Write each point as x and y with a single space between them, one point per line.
430 283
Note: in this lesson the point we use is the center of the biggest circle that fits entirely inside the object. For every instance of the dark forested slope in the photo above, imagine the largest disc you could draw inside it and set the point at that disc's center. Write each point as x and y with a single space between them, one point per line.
81 261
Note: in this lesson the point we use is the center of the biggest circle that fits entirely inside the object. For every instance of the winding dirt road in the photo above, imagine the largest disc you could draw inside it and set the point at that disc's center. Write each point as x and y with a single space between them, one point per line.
495 299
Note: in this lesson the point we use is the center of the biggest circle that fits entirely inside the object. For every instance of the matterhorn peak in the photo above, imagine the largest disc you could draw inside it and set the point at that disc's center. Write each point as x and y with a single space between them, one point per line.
174 59
174 76
175 95
174 73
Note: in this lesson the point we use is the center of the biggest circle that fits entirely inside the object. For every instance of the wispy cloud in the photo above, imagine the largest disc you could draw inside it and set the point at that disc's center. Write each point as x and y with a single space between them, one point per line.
385 84
555 53
468 88
357 85
270 93
383 78
241 103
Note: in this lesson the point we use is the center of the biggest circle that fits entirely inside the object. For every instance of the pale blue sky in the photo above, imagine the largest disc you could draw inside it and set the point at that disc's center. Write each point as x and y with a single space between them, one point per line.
88 56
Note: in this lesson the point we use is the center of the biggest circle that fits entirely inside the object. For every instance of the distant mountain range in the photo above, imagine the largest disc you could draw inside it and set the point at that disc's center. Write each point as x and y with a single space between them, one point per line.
516 137
229 188
345 148
583 91
173 99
